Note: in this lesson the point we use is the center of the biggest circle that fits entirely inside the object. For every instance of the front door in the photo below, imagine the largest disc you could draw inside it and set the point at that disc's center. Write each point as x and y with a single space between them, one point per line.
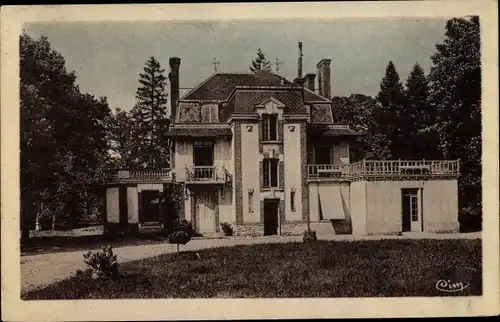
412 213
271 207
150 206
205 203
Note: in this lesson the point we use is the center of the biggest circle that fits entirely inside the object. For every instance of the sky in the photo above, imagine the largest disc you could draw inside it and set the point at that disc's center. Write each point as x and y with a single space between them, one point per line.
108 57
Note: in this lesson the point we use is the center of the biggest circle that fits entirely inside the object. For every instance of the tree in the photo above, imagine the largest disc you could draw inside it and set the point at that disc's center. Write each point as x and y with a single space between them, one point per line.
419 134
389 115
455 93
121 140
260 62
357 112
58 177
149 117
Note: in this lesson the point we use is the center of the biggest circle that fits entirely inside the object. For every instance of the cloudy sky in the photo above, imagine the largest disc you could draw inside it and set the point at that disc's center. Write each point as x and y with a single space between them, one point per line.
108 58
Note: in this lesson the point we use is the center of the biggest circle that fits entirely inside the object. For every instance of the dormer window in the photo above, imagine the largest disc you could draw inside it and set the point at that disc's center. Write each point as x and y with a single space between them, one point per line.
209 113
269 127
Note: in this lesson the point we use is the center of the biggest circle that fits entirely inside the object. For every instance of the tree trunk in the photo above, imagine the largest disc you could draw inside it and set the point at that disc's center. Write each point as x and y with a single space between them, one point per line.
25 226
38 227
53 222
177 248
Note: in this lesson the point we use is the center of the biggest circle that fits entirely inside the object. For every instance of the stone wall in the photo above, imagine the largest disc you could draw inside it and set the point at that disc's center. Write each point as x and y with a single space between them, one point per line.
249 230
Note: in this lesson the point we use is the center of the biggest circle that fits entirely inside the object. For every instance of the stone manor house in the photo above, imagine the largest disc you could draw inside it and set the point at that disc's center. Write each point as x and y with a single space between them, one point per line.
265 155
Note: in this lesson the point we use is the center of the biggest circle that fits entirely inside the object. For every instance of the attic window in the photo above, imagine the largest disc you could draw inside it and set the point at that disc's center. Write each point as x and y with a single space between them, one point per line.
269 127
209 114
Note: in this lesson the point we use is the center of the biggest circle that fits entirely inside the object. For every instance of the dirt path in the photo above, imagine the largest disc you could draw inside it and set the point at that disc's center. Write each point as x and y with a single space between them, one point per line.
44 269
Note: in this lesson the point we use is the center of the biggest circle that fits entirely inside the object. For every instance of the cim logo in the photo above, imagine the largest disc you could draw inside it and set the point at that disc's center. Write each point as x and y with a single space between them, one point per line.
449 286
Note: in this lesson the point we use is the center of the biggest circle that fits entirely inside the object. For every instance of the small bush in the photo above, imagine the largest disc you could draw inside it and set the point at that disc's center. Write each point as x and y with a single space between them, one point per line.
182 234
309 236
227 229
103 263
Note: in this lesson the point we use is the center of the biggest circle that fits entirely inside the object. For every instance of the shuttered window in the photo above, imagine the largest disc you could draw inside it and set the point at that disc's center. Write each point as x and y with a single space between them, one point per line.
269 127
209 114
270 173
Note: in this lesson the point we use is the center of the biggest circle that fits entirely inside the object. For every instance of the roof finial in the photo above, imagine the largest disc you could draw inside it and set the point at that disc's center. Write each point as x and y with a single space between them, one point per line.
215 63
278 63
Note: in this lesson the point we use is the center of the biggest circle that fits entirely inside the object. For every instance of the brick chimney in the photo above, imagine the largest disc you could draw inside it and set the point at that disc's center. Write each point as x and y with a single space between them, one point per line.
309 81
173 76
324 78
299 64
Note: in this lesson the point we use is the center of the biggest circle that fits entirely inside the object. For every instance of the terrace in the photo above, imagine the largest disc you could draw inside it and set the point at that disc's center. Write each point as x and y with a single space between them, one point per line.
139 176
385 169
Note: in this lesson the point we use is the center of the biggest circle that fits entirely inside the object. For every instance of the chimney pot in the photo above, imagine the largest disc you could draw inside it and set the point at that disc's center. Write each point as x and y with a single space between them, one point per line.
324 78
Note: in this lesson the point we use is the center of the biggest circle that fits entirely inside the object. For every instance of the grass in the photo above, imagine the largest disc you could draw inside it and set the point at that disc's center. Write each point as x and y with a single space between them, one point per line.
385 268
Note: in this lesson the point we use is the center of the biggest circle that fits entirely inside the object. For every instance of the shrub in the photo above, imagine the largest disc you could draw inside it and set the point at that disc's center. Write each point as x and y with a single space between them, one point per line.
309 236
182 234
103 263
227 229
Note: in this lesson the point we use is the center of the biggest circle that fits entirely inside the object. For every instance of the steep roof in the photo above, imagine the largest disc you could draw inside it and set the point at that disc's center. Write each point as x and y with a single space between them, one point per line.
219 86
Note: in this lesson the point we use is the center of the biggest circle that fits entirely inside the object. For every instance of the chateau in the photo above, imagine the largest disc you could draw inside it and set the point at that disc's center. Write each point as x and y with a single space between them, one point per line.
265 155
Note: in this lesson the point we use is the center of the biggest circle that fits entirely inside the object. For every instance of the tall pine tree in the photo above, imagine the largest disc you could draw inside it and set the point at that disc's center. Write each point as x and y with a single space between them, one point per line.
260 62
419 133
150 118
455 93
389 114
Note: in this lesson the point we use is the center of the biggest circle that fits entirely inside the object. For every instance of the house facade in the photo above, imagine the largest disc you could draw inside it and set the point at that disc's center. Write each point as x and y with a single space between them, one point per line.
265 155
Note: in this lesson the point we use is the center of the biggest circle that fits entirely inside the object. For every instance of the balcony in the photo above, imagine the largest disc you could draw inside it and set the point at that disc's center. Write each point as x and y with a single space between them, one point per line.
207 175
386 169
139 176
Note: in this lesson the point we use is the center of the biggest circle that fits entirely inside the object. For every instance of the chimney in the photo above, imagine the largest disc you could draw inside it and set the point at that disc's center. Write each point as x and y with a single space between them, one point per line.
309 82
299 71
174 86
324 78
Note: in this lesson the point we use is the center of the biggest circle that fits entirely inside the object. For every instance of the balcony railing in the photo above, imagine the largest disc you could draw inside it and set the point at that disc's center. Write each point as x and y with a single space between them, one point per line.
140 175
327 170
373 168
207 174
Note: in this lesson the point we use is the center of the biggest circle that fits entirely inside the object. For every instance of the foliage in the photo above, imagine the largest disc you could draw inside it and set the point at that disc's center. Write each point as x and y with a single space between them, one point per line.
150 121
390 114
182 234
260 62
419 137
309 236
102 263
357 111
375 268
59 179
121 142
455 93
227 229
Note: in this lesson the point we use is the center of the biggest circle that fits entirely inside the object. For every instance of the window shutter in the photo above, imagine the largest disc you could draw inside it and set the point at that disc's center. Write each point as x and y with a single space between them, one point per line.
261 174
139 201
280 131
281 175
260 137
336 154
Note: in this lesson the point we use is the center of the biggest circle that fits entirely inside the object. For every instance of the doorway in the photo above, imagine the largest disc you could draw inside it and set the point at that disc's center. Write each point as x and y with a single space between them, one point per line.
203 159
150 206
412 211
271 209
205 211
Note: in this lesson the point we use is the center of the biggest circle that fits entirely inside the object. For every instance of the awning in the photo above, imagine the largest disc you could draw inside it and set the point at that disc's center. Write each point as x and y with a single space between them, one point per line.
332 203
206 132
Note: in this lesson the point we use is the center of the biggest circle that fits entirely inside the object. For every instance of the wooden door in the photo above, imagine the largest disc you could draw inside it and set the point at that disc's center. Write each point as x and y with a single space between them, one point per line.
205 203
412 212
271 207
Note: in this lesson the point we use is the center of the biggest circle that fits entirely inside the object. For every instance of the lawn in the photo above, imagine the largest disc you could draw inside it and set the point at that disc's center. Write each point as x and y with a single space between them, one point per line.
382 268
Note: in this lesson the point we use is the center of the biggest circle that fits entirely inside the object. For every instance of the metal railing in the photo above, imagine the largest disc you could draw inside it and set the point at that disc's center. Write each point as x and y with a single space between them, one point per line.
370 168
207 173
140 175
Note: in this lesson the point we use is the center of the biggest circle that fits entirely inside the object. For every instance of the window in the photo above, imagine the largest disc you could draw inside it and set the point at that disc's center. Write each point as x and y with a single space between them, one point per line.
270 173
292 200
209 114
269 127
250 200
414 207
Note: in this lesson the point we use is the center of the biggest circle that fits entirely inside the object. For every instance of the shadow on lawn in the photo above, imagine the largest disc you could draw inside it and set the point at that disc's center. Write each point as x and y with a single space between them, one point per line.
51 244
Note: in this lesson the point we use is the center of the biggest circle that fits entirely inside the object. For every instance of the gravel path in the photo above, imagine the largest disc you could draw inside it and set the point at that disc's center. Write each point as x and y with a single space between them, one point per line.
43 269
